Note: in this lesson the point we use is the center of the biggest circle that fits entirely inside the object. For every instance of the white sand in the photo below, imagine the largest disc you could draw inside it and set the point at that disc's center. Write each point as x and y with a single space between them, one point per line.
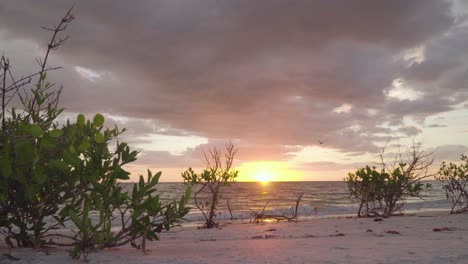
311 241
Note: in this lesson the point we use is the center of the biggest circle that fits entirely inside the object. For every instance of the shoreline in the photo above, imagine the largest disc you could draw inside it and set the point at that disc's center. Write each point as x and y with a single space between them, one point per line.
398 239
305 218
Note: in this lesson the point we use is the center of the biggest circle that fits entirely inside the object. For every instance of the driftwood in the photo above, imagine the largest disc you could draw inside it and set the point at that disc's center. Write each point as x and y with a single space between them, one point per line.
262 216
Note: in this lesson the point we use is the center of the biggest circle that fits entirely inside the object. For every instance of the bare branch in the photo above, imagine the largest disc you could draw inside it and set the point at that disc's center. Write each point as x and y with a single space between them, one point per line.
217 173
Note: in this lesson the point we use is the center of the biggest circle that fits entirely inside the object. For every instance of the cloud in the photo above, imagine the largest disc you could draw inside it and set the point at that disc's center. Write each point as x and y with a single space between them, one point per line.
268 75
449 153
164 159
330 166
436 125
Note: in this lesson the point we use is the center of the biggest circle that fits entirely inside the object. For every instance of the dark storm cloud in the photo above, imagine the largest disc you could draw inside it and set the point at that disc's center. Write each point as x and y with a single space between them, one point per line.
269 72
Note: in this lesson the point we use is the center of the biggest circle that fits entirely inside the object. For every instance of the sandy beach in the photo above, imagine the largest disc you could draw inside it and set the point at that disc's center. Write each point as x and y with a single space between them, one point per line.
434 237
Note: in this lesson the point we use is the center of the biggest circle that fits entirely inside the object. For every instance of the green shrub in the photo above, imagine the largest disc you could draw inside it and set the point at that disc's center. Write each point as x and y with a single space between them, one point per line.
56 176
382 192
52 176
455 179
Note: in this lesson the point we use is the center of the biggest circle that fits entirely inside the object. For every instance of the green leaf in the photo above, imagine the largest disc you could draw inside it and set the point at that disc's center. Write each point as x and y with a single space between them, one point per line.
40 178
25 151
47 143
75 219
5 167
30 193
81 119
56 133
99 138
35 131
72 149
84 146
98 120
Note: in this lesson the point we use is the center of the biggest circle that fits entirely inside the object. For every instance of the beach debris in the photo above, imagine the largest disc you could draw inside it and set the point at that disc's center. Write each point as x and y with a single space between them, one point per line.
341 248
393 232
261 216
266 236
270 230
207 239
443 229
133 244
337 235
308 236
369 230
378 219
113 249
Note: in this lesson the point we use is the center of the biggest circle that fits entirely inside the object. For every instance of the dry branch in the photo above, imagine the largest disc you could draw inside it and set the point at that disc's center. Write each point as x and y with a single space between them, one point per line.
261 216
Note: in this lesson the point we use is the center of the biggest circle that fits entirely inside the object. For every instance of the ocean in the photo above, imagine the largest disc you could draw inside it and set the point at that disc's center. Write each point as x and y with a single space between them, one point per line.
320 199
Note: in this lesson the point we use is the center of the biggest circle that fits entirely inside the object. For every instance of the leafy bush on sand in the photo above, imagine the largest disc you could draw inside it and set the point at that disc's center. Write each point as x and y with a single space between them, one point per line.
68 176
382 191
455 179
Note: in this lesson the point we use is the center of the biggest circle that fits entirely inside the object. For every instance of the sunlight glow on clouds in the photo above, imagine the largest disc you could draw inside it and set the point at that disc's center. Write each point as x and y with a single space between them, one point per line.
401 92
345 108
175 145
322 154
88 74
414 55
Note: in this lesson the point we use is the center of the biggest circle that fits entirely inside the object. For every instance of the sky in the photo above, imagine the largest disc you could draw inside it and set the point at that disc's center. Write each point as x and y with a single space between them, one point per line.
276 78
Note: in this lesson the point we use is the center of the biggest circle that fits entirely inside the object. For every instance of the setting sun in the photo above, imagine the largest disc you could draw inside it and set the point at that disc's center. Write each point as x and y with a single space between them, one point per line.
264 176
266 171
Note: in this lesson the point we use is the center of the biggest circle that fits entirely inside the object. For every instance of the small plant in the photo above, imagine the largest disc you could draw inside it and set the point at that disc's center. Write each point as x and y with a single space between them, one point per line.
382 192
216 175
121 217
455 179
